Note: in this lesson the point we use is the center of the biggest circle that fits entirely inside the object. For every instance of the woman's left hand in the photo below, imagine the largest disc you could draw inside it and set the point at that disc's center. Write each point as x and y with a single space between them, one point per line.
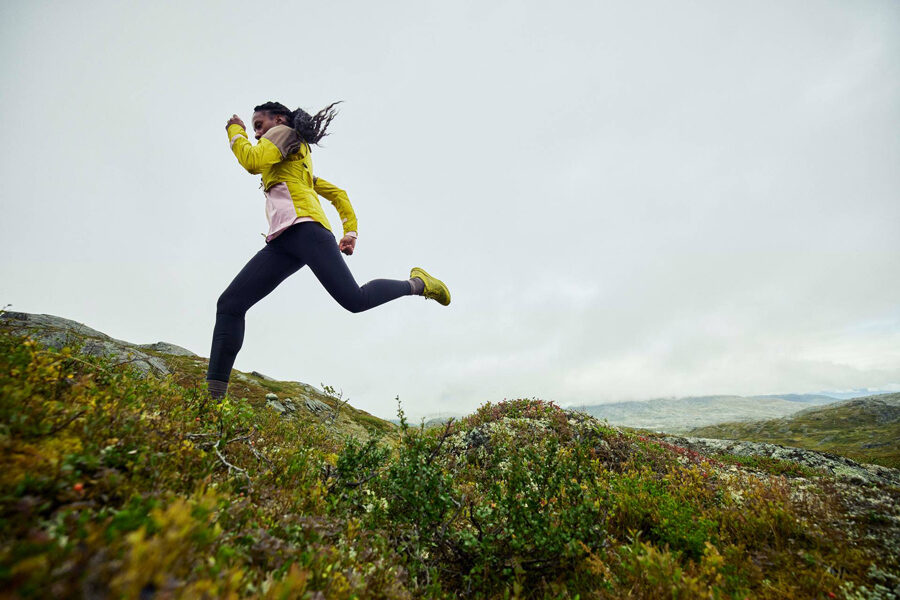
347 244
235 120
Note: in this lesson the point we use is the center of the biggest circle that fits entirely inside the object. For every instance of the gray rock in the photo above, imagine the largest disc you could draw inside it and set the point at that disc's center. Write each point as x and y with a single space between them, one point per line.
836 465
58 333
276 405
477 437
146 364
261 376
317 407
167 348
286 407
26 321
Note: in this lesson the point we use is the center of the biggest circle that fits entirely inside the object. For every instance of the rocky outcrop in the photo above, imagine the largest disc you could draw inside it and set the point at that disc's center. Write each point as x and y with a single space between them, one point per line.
838 466
287 407
167 348
57 332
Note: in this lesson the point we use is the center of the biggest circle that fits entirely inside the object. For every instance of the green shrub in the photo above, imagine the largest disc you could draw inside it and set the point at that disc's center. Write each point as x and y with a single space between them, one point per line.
668 509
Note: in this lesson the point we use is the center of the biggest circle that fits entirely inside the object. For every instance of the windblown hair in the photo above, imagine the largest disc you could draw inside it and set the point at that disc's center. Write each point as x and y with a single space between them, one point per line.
311 128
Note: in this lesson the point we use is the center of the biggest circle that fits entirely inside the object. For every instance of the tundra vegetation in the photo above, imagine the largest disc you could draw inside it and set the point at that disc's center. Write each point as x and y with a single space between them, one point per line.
120 485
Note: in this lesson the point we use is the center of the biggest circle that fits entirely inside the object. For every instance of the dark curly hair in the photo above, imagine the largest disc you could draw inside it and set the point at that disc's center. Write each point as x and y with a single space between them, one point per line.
311 128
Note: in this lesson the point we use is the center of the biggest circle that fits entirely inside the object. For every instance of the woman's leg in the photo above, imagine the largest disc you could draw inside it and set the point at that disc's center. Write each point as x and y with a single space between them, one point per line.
316 247
269 267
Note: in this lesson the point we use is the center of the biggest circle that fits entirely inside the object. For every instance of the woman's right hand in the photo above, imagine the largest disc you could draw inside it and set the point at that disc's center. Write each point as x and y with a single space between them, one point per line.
234 120
347 244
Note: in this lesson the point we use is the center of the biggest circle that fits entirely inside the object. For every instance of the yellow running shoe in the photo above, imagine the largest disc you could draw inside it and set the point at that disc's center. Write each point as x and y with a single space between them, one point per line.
434 288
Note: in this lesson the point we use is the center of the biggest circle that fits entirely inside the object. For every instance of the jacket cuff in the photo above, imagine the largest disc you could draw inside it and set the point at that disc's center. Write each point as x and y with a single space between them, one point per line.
350 225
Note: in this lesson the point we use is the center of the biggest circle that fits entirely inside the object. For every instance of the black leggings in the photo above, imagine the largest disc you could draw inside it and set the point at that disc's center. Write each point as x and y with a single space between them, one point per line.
307 243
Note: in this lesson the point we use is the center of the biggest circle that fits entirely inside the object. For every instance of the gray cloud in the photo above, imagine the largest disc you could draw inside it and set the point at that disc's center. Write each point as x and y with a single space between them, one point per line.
627 200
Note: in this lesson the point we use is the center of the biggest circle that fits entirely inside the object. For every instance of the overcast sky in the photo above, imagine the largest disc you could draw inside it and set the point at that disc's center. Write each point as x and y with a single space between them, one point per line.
627 199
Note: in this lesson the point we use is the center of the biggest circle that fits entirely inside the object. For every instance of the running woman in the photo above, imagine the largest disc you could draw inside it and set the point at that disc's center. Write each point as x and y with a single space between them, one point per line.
299 234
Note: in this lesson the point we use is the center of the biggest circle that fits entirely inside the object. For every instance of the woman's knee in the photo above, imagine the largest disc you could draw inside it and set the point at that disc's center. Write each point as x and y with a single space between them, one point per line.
354 304
231 304
350 296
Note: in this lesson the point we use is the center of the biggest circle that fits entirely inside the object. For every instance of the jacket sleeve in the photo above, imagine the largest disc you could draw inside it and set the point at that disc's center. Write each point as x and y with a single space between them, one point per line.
253 158
341 202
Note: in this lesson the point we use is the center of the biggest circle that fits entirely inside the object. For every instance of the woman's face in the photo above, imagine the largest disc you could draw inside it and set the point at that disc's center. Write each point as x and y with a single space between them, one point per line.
263 121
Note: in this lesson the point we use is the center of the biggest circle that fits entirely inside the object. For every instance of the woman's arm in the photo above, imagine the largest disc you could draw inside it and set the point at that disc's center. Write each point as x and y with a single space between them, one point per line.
253 158
341 202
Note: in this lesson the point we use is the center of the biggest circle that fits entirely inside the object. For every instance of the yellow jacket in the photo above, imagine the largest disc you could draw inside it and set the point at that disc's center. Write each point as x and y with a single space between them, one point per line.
292 192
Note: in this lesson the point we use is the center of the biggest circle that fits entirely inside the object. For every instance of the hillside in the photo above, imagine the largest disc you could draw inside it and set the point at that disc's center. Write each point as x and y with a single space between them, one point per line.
120 481
679 415
186 369
864 429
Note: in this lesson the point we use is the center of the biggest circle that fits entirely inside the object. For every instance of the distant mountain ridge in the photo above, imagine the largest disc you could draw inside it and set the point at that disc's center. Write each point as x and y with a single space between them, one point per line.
862 392
680 415
805 398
